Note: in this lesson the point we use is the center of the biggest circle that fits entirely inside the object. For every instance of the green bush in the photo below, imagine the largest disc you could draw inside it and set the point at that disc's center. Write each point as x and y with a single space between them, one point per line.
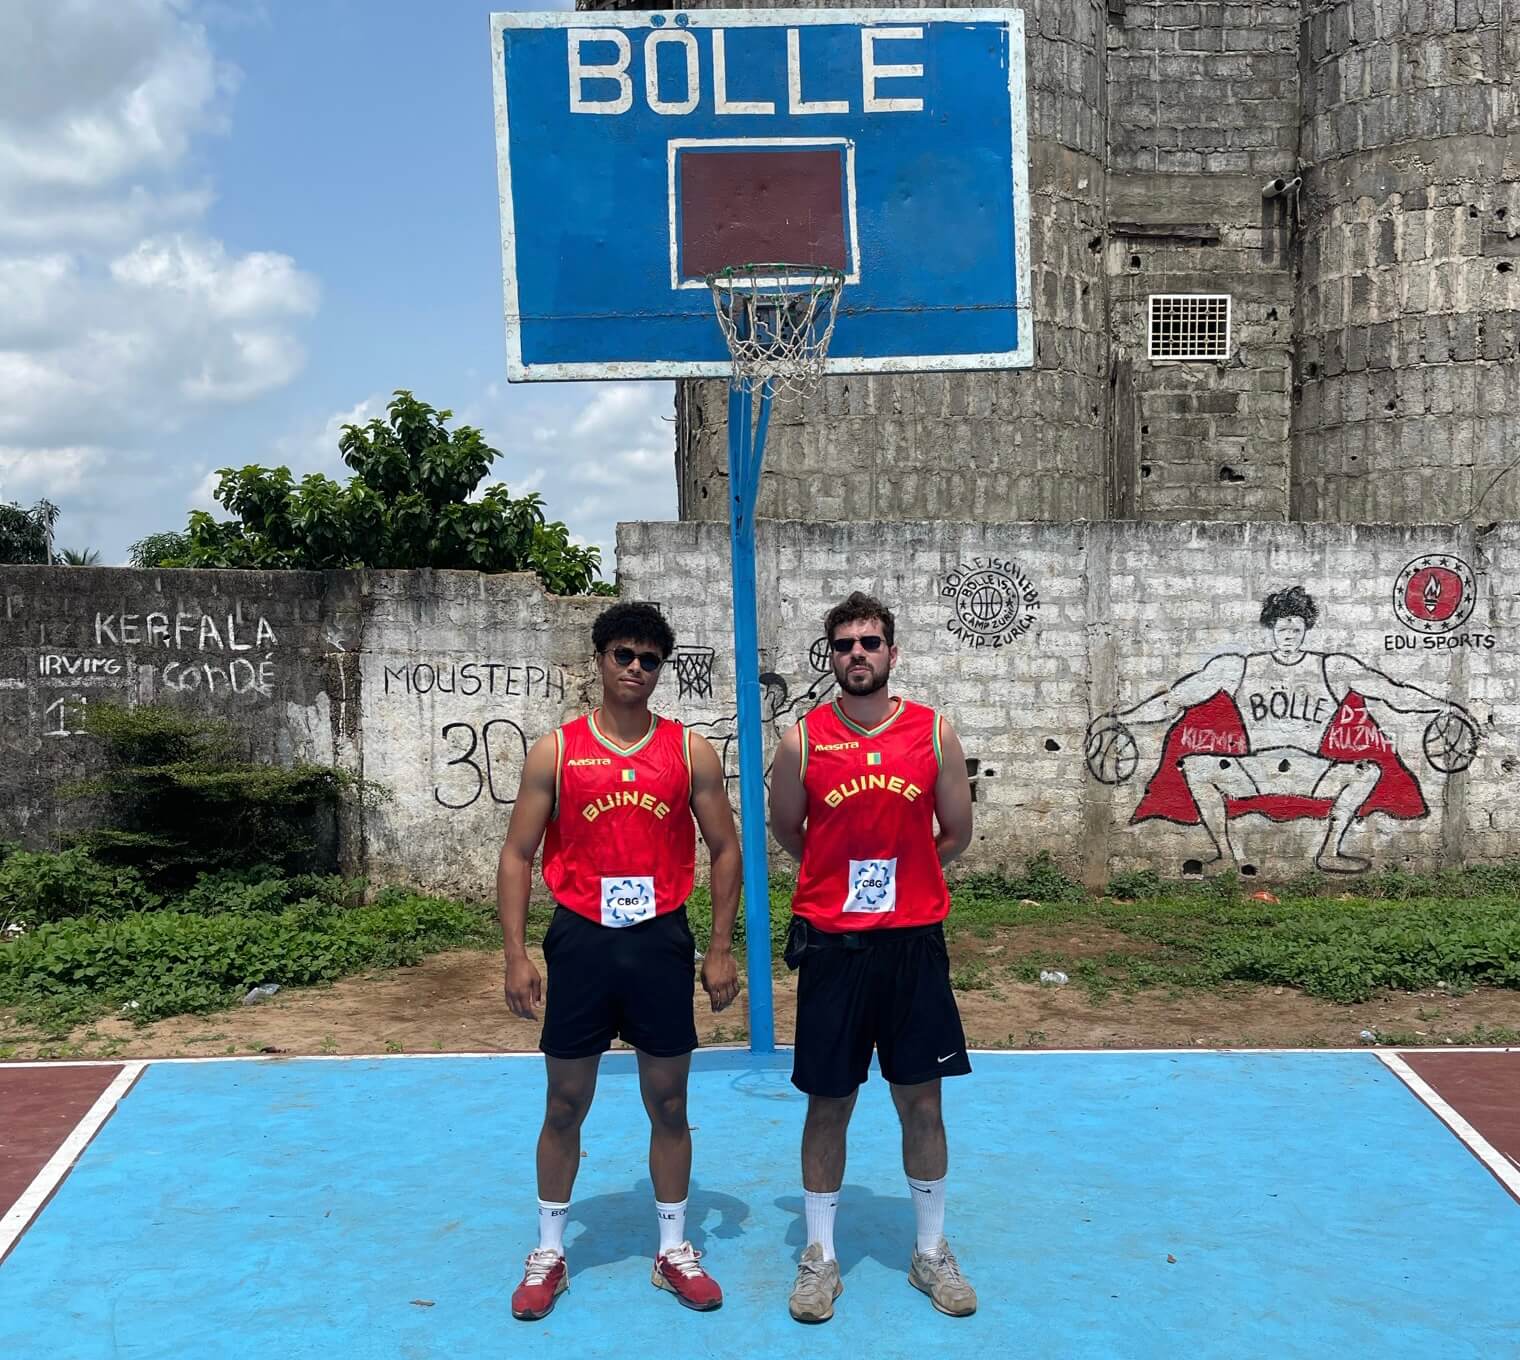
159 963
1136 883
41 887
240 891
179 797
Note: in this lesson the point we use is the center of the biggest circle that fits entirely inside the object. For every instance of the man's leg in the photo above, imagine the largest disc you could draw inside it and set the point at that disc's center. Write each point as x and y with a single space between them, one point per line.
571 1086
925 1157
1211 780
1349 786
662 1083
824 1135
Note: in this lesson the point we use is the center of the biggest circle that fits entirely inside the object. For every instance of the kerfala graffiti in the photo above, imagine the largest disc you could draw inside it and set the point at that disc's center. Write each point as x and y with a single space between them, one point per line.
1285 733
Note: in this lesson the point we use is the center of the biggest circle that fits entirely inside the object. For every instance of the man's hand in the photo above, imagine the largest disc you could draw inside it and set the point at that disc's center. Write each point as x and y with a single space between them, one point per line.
524 988
720 977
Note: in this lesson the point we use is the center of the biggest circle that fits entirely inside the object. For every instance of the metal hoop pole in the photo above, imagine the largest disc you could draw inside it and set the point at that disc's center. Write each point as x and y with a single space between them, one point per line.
746 452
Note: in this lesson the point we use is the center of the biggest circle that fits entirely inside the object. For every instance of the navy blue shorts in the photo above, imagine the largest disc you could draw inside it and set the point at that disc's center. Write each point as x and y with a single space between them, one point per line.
633 983
887 990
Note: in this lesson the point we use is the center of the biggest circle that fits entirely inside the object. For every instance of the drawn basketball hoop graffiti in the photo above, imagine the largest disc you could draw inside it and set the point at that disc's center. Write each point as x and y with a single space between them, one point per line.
694 672
1285 733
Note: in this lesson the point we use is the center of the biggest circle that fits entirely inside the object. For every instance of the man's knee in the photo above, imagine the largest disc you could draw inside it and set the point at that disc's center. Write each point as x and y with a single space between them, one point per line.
566 1109
668 1110
918 1106
830 1112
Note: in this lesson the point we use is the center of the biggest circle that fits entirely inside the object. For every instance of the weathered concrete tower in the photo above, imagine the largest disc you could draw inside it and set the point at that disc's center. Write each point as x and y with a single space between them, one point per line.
1408 386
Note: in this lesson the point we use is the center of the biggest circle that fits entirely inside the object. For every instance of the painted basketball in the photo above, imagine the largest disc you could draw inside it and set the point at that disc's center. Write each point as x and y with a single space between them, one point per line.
1112 755
1451 742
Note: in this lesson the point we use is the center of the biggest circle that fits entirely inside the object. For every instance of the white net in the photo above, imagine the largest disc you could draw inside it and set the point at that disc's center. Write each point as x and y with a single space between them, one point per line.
777 320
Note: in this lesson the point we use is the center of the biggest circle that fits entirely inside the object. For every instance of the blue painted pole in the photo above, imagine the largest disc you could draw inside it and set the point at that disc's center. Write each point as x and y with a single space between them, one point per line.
746 452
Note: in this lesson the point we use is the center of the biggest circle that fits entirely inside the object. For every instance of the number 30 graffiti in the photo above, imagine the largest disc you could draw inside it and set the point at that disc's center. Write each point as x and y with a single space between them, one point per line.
501 746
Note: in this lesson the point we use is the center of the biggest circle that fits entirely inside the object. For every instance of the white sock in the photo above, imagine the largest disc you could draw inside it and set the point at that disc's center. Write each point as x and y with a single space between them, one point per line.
929 1211
672 1224
820 1207
551 1225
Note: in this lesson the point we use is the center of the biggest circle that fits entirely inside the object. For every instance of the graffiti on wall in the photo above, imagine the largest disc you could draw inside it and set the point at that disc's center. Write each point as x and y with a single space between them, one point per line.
1284 733
1433 597
779 708
489 762
993 602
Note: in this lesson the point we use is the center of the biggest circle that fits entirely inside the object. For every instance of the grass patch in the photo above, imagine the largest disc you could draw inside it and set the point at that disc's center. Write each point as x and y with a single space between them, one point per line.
1458 929
148 965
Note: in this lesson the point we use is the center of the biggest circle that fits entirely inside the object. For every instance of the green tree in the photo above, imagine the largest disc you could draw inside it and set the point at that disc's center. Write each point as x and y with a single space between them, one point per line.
157 550
26 536
408 505
78 557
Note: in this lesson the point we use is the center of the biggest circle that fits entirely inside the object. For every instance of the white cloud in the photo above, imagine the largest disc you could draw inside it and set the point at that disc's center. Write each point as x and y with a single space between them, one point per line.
120 318
598 453
95 92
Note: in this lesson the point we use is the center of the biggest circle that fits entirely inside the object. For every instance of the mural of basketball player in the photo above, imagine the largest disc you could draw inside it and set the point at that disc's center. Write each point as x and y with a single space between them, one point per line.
777 705
1286 733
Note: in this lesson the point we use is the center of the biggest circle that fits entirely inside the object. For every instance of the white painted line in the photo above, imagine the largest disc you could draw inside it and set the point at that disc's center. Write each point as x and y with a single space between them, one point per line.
61 1162
1508 1175
729 1048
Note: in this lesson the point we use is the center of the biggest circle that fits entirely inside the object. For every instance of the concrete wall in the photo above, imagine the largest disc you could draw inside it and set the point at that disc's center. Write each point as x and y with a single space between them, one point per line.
434 684
431 683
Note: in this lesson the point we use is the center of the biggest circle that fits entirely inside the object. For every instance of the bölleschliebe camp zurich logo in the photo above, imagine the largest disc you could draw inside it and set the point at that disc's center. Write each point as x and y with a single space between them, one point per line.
993 599
1434 594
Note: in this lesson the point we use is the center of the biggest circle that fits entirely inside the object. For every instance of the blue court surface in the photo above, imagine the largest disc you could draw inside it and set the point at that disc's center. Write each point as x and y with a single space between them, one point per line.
1104 1205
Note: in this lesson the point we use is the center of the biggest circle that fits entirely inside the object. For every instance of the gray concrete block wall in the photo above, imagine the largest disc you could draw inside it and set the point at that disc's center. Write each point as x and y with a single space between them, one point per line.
435 684
1408 376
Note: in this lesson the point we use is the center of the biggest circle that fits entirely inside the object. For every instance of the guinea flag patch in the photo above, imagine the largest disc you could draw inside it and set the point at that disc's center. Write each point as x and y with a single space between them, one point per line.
873 757
629 776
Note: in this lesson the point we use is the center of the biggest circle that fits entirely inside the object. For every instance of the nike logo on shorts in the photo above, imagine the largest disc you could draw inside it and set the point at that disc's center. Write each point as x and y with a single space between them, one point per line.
947 1057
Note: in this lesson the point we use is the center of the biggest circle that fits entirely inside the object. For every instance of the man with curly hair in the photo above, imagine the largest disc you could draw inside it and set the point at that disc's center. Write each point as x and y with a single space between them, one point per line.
1284 733
617 796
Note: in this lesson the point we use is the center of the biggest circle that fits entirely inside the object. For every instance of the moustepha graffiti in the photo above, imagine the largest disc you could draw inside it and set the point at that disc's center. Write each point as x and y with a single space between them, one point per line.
1283 733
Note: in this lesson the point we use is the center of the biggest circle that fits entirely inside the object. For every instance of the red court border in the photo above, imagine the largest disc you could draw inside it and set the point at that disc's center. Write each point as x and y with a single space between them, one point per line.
1476 1094
52 1114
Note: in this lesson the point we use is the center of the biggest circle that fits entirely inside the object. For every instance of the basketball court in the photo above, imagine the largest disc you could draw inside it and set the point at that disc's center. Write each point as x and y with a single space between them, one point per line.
770 196
1123 1204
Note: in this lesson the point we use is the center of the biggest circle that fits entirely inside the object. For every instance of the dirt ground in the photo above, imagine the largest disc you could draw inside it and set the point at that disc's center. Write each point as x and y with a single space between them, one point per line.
453 1002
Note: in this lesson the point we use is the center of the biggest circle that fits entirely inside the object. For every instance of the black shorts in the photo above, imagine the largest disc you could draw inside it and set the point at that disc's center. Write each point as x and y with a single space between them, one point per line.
633 983
883 989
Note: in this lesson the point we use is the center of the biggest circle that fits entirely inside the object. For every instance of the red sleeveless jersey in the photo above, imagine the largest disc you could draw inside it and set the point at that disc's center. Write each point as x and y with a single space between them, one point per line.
868 855
621 845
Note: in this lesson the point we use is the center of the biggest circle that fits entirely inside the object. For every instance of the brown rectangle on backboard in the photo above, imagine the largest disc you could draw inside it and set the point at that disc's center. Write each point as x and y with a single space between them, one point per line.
743 207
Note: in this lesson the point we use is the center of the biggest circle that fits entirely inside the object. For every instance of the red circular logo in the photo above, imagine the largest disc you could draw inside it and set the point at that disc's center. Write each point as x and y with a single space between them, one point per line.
1434 594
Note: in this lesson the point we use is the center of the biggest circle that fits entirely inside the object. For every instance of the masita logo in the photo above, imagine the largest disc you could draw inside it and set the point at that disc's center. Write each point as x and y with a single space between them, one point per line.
589 760
835 745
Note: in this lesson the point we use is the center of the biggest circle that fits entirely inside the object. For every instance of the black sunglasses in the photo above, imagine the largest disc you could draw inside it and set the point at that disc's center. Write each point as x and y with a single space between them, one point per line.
648 661
844 646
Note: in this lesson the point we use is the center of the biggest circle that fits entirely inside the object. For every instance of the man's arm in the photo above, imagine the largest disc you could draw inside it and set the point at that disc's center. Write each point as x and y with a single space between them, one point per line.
1222 673
788 797
952 797
514 874
715 819
1345 673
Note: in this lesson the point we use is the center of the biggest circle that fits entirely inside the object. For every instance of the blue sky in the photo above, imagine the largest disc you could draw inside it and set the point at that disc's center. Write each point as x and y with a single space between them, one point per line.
227 227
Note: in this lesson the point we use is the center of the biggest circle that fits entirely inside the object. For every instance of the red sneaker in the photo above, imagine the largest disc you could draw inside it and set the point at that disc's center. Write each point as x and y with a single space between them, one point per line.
678 1271
545 1279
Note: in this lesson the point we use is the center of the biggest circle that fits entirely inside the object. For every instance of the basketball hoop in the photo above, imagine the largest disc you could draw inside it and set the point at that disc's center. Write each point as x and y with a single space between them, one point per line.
778 320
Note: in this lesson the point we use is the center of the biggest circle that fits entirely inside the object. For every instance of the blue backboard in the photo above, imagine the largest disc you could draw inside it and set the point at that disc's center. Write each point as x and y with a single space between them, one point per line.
639 152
